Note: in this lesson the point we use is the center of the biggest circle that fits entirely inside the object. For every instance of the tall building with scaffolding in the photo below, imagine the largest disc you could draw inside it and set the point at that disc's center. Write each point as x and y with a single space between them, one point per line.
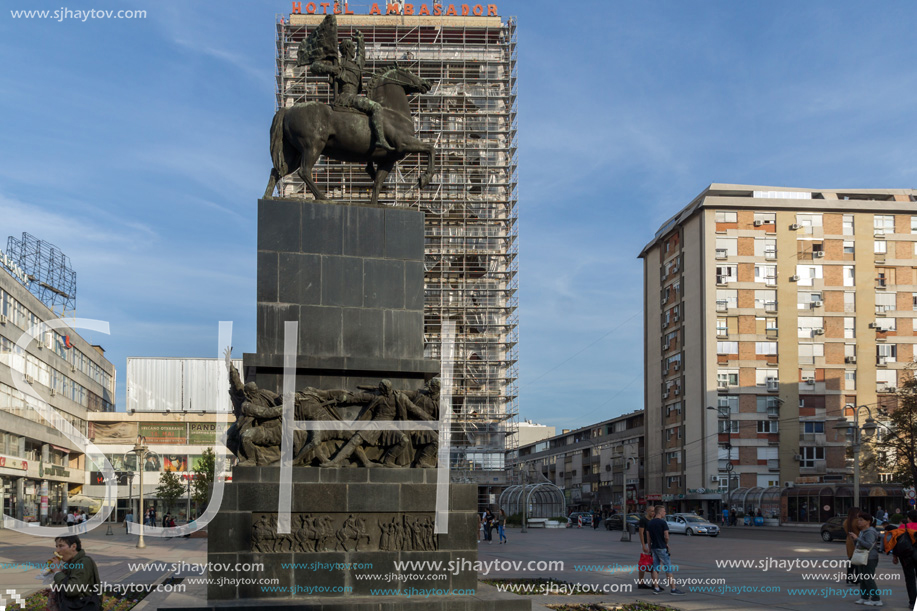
470 205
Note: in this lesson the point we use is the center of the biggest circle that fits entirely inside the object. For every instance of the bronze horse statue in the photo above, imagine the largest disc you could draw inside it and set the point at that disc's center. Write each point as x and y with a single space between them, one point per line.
302 133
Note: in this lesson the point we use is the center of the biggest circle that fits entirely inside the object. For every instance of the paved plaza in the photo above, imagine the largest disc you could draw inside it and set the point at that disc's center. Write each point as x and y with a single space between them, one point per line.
695 557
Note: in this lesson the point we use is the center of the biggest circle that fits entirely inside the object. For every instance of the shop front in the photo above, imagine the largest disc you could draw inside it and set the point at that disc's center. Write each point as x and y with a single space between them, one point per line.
816 503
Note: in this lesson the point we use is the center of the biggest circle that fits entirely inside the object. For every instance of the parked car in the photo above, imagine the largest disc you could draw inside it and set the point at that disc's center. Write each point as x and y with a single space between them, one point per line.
690 524
833 529
573 518
616 522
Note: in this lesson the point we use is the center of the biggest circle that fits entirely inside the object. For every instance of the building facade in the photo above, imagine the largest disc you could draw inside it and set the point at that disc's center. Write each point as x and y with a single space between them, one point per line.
599 466
40 467
470 205
769 311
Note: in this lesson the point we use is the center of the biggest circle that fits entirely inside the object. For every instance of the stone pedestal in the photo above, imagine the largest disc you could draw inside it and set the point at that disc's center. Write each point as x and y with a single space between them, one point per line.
351 275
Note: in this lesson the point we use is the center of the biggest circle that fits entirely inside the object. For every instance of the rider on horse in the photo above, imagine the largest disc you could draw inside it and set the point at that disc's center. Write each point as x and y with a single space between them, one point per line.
347 77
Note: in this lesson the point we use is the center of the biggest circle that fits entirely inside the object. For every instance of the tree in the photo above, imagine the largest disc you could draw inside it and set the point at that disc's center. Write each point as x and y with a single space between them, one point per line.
896 445
202 486
170 489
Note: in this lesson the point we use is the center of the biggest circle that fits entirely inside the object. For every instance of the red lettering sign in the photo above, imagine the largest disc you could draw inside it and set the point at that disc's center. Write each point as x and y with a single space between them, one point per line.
392 9
310 8
297 8
491 10
464 10
437 10
478 10
451 10
339 8
324 6
374 9
408 9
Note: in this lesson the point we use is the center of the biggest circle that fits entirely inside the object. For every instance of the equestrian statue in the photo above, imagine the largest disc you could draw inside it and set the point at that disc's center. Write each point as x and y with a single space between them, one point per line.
375 128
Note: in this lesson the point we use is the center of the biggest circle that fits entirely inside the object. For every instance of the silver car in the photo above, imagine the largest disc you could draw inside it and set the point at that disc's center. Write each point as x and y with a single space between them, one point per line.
690 524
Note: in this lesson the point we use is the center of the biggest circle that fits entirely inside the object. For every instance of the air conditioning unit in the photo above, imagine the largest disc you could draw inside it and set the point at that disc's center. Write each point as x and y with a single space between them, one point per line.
809 381
817 304
53 392
676 391
794 227
872 325
663 301
797 458
890 389
29 379
850 359
819 331
818 254
665 346
794 278
714 478
665 395
677 365
882 360
3 319
758 223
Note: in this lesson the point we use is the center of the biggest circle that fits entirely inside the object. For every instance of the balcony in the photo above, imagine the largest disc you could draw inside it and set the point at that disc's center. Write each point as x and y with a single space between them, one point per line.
722 305
773 411
770 253
770 306
722 332
771 332
722 253
815 439
772 385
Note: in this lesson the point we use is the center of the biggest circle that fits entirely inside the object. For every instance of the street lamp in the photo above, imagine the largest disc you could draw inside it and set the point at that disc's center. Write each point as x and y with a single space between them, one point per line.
141 451
725 413
869 427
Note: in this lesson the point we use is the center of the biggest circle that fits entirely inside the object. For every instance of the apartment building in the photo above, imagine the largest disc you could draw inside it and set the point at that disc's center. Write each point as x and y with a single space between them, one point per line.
599 466
768 311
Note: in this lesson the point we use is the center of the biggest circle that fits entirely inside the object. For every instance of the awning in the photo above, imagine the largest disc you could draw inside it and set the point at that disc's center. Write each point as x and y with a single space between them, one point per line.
60 449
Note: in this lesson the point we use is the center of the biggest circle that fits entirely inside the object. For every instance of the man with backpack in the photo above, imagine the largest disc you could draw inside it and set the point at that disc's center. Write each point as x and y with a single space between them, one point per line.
900 543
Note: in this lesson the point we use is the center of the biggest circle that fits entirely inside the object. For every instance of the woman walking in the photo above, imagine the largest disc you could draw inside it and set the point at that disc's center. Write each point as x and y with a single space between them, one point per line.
851 527
865 558
501 525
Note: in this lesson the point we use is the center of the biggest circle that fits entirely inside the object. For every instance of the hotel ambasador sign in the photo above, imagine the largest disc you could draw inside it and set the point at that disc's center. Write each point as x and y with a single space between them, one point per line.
435 9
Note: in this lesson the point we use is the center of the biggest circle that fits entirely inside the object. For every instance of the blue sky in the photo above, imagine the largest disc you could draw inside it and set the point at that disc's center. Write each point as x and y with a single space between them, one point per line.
139 147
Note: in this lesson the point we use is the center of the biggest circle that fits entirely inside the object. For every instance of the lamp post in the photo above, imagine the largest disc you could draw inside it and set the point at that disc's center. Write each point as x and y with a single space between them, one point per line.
141 451
869 427
725 413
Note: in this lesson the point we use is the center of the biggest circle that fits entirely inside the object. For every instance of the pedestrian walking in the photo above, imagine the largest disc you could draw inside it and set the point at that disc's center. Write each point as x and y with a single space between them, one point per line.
659 548
732 516
865 558
128 519
596 518
481 528
488 526
501 525
645 564
725 516
905 555
851 526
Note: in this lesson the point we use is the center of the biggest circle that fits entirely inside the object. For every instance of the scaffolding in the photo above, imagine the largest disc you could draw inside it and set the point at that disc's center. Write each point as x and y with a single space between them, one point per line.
470 204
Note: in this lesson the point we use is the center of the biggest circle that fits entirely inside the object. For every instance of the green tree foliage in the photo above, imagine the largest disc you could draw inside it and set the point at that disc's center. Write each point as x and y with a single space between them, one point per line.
202 486
896 446
170 489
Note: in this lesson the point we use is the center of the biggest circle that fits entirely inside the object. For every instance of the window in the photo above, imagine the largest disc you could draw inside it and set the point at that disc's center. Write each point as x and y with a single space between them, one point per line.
808 274
767 348
850 302
888 352
808 325
850 380
885 302
914 224
764 404
728 402
726 299
848 224
766 300
767 426
765 377
849 248
722 329
765 218
813 427
810 455
723 216
849 278
880 247
886 380
886 324
726 273
765 453
807 300
726 247
807 221
883 224
727 377
766 247
766 274
727 347
733 427
849 327
809 352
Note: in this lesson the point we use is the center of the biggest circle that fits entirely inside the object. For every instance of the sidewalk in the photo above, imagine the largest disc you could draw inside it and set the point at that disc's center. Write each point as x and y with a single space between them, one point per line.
112 553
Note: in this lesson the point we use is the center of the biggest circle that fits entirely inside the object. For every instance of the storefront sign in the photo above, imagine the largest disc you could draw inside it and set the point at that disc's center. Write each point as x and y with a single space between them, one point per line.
113 432
9 462
175 434
395 8
52 471
97 478
204 433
